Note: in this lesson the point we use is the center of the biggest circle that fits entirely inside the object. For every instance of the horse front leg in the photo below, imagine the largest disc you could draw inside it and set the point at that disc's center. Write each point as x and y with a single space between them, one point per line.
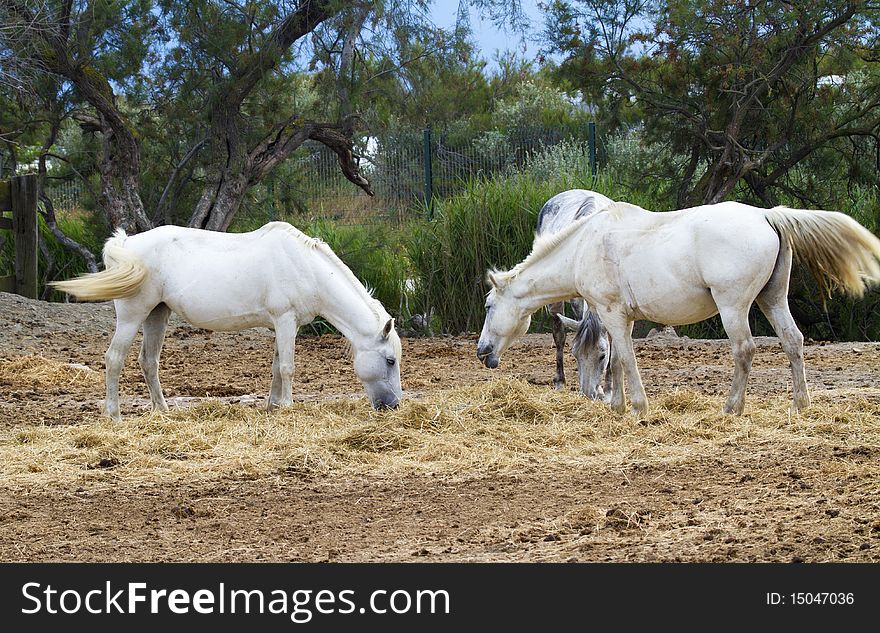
625 367
609 381
281 394
559 340
275 391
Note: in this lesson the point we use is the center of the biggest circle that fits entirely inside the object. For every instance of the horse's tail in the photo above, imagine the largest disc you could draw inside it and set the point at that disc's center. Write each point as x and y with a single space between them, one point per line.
123 275
839 251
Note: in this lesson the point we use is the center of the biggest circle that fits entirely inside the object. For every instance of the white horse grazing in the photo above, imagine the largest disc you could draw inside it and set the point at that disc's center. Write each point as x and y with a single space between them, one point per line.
275 277
678 268
590 347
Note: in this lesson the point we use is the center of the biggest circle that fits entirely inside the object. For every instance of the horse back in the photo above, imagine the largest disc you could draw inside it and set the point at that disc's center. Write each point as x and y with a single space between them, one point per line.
568 206
220 280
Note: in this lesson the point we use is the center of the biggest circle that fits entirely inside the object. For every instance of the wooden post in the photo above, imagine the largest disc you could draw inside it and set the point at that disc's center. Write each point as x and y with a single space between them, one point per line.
24 226
7 282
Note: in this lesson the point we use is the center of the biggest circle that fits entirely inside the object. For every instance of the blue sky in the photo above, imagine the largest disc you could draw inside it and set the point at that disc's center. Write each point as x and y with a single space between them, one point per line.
489 38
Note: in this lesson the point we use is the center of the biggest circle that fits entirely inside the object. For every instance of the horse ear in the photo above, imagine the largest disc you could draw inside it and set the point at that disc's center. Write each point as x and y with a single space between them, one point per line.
569 324
388 328
493 280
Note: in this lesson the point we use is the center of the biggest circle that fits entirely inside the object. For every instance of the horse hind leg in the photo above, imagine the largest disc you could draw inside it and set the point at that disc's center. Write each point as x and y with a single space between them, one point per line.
736 323
128 321
773 302
151 348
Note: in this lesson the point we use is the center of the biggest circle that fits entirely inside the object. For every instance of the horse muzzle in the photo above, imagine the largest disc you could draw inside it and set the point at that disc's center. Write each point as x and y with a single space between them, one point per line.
487 356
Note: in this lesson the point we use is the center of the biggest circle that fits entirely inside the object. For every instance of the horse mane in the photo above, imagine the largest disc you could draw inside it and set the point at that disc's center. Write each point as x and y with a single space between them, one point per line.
541 247
362 289
545 243
588 332
315 243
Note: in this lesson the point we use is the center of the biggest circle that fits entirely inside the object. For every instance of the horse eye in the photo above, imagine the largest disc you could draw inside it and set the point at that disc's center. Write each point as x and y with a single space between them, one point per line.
390 362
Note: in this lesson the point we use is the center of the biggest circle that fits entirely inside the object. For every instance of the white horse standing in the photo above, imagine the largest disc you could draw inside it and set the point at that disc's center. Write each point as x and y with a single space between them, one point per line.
275 277
678 268
590 347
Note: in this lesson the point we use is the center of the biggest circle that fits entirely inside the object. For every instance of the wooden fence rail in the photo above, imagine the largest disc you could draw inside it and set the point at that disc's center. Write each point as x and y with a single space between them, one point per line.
19 195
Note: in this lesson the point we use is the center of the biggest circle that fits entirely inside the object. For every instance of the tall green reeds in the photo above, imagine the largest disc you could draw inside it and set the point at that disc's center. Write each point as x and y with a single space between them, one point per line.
375 254
490 224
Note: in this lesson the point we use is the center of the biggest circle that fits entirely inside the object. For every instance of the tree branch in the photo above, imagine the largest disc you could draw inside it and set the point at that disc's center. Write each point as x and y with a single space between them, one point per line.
157 213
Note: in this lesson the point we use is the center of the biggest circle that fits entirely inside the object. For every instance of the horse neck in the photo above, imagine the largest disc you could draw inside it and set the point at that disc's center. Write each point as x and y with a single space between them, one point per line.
548 279
348 306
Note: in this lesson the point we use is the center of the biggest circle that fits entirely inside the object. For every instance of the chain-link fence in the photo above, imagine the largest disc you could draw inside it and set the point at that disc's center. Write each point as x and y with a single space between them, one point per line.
407 170
66 195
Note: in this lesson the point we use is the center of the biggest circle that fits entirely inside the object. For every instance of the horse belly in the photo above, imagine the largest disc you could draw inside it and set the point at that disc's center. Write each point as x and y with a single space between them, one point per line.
225 319
228 301
685 307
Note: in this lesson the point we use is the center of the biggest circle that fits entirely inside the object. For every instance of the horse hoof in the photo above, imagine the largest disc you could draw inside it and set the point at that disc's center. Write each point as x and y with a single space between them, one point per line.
638 413
797 407
275 406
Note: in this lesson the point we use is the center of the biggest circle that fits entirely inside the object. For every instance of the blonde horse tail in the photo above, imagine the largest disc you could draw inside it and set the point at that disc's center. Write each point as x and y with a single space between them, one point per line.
123 275
839 252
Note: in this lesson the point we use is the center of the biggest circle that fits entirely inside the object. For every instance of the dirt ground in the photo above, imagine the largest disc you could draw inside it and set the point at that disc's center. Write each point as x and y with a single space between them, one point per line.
738 501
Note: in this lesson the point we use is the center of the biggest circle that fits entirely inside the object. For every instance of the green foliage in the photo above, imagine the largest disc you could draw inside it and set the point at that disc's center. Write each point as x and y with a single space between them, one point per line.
65 263
737 97
376 256
491 223
640 168
535 102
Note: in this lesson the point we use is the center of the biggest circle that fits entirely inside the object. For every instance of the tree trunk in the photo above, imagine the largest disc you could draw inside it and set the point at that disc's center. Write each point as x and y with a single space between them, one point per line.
238 167
48 209
120 163
220 204
221 199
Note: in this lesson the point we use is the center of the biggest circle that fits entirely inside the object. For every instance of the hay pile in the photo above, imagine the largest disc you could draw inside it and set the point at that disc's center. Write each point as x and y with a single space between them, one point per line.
502 426
36 371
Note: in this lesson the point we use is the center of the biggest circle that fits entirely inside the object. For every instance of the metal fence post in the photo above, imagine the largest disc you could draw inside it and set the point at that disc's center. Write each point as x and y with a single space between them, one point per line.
591 142
429 176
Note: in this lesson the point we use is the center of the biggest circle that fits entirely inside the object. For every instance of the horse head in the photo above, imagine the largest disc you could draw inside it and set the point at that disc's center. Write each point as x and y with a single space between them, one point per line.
377 366
592 351
506 321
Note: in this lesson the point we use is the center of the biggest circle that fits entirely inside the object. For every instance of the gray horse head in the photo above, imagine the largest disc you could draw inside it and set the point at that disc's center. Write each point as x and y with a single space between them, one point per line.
591 349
